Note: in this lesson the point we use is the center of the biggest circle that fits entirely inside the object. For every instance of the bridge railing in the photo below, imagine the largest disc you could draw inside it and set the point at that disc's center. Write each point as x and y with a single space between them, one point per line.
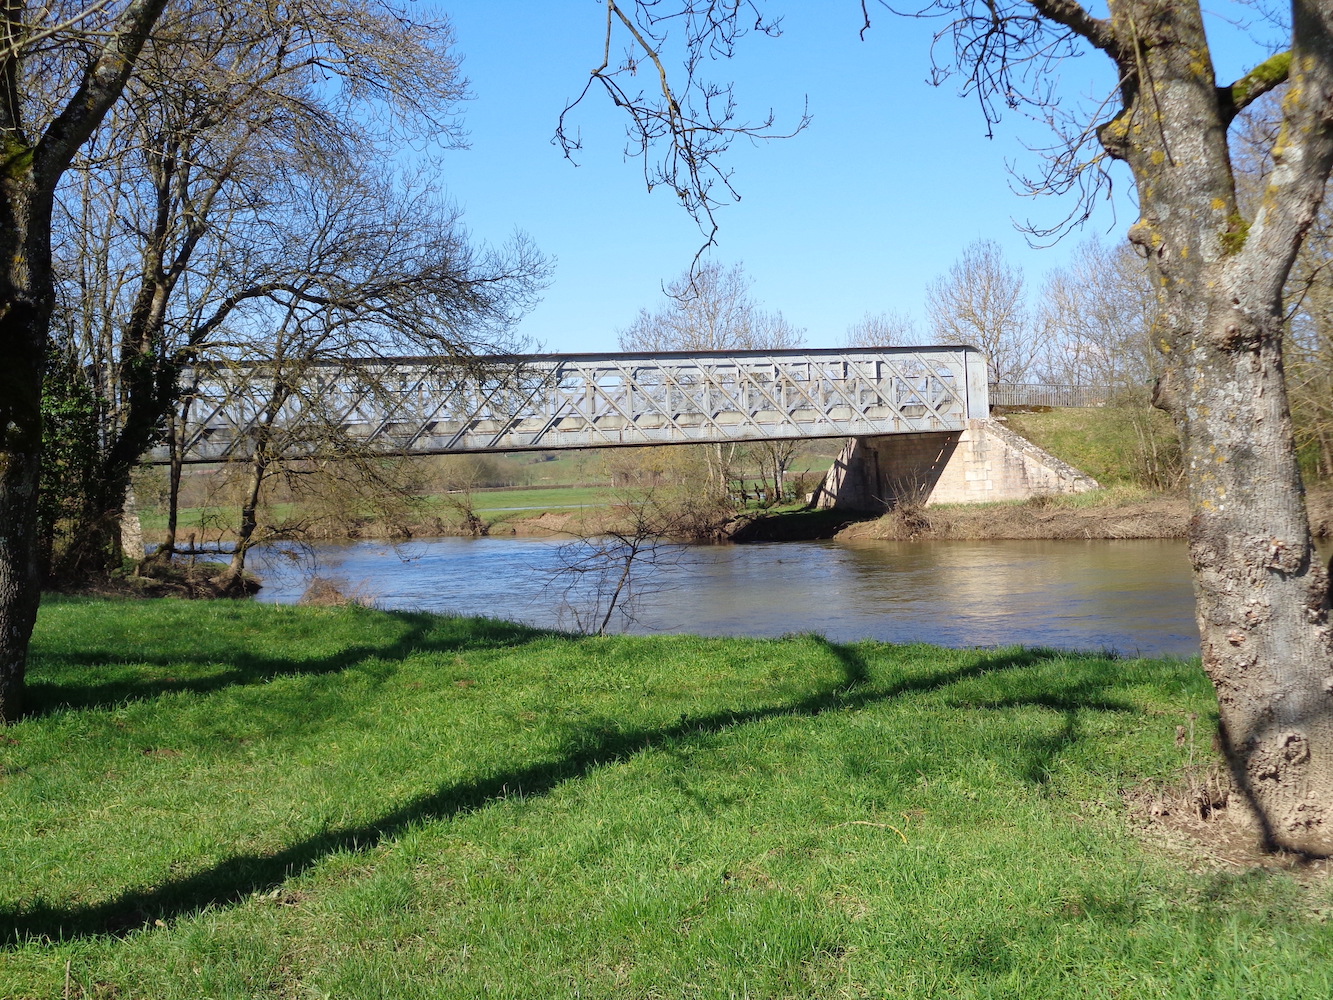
1048 395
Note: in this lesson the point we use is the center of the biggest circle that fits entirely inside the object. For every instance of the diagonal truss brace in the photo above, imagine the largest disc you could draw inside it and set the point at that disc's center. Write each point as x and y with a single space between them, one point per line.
541 402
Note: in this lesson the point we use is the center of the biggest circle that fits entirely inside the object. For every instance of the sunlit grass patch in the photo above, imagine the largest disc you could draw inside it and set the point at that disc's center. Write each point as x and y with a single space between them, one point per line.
1117 445
235 800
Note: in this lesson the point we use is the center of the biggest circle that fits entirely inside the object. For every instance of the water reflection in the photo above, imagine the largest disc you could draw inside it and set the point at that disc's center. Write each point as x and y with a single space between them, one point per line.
1130 596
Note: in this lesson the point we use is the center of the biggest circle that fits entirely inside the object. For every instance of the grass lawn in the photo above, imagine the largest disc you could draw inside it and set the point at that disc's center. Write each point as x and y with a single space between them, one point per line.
536 499
235 800
1106 442
154 521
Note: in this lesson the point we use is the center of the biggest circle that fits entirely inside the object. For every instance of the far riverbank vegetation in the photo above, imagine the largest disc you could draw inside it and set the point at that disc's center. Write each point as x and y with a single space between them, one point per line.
1129 448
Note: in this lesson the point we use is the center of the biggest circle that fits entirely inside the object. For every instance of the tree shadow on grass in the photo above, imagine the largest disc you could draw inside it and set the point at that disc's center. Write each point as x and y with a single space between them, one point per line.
1069 698
233 880
424 633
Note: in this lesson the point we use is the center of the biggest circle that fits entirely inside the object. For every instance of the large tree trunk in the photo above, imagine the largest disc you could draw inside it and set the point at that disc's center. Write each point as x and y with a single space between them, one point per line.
25 309
33 162
94 546
167 548
26 299
260 463
1263 602
245 532
1262 599
19 582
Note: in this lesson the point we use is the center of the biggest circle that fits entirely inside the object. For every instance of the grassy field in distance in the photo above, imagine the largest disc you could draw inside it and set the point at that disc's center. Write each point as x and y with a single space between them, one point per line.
557 481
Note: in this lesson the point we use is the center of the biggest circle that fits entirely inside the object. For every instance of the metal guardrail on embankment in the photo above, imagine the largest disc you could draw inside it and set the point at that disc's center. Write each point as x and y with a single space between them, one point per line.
1048 395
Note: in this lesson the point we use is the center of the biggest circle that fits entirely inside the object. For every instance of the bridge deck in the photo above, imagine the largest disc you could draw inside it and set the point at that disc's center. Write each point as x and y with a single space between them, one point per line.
540 402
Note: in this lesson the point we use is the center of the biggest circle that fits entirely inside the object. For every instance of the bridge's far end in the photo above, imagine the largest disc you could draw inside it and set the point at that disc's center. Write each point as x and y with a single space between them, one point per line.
983 463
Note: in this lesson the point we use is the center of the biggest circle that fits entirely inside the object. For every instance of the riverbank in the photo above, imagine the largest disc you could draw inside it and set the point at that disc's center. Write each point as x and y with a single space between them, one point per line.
1116 513
1119 512
235 800
1105 514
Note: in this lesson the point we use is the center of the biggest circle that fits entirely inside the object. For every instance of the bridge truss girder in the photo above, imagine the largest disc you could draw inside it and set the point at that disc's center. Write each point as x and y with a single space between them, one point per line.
541 402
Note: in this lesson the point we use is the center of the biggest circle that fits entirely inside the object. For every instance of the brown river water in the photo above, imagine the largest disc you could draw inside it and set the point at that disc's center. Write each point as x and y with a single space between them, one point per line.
1133 597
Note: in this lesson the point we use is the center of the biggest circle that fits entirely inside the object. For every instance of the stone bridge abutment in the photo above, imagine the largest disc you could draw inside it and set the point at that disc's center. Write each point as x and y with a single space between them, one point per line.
982 463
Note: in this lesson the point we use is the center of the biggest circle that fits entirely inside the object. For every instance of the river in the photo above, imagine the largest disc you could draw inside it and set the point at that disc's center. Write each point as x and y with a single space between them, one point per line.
1133 597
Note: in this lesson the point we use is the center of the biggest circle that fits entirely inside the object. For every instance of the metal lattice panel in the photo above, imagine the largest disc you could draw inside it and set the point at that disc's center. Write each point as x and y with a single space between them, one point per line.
540 402
1049 395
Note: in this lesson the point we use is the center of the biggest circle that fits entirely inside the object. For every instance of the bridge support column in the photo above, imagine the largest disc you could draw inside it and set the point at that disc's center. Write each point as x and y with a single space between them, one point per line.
986 462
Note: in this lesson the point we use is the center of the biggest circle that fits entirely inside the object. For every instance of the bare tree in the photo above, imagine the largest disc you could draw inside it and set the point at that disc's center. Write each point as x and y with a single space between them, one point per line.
177 421
709 308
606 576
374 269
1101 317
775 459
1100 313
457 478
981 302
1262 597
180 211
883 329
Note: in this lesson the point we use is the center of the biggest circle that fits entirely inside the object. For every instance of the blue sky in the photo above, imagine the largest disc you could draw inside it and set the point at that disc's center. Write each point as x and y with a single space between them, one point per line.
857 214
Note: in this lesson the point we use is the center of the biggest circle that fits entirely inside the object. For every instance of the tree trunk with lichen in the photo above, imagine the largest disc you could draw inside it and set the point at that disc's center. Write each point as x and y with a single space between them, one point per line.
1262 598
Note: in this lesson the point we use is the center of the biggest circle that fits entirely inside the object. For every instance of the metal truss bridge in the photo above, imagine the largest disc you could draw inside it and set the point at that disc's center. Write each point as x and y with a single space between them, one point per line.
540 402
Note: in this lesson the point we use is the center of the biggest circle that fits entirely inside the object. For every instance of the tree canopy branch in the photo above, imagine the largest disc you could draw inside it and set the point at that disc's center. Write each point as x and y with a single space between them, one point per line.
1268 75
1302 154
103 80
692 122
1099 32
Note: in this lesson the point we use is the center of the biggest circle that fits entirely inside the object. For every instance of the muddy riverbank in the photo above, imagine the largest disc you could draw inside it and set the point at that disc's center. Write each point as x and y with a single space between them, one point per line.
1110 516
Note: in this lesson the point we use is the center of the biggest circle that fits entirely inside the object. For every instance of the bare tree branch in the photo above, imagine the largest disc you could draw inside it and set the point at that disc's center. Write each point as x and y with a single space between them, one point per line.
1302 158
102 84
693 125
1099 31
1264 78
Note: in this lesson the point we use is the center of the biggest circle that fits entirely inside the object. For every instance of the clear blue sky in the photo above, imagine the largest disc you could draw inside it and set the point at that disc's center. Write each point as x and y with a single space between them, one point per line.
856 214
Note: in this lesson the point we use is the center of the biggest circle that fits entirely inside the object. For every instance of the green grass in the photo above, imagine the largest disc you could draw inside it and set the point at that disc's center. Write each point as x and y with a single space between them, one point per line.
563 467
232 800
154 521
533 501
1113 497
206 522
1108 443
